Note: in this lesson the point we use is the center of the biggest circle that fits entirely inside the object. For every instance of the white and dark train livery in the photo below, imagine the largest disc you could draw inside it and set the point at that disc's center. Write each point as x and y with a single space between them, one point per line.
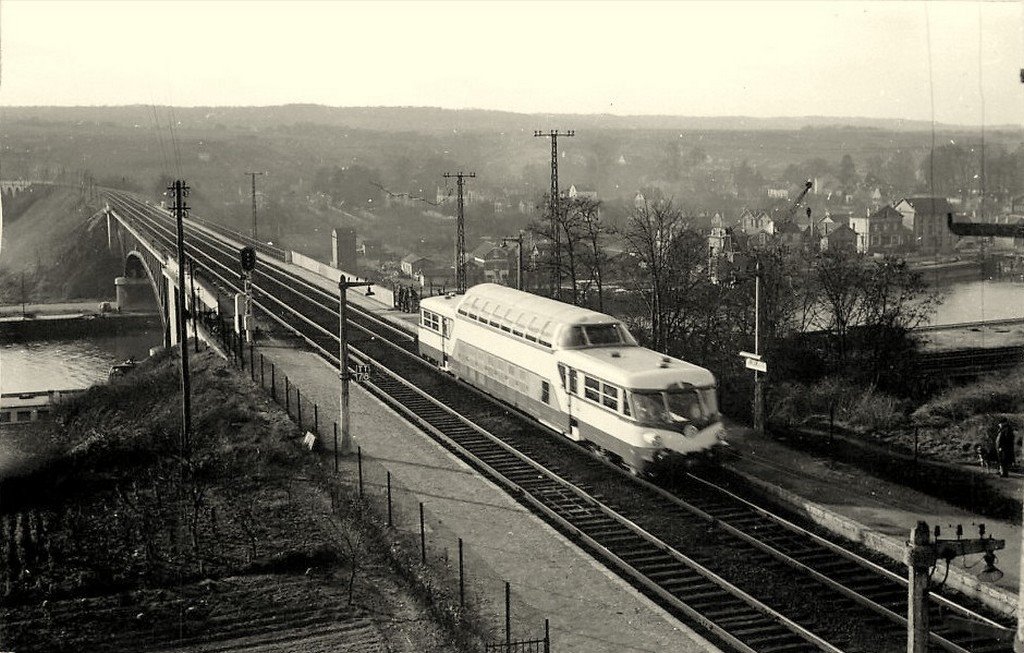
577 371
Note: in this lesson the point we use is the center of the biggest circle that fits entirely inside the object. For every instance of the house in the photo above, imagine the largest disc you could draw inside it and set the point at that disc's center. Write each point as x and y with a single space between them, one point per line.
755 222
414 264
582 192
789 234
493 261
778 193
841 238
925 217
880 232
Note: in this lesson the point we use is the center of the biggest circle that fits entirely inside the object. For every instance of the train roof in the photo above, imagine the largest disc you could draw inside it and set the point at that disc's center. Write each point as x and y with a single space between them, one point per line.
636 367
534 314
441 304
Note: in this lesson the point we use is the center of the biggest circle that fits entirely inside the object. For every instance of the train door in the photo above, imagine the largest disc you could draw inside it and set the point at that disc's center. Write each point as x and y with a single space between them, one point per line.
446 331
568 376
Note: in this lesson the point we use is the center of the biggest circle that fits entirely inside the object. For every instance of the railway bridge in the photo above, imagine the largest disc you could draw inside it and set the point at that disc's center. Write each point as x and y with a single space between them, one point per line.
142 236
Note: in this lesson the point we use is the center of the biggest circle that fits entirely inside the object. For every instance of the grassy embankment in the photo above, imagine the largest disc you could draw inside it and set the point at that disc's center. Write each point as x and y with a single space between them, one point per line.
943 430
123 543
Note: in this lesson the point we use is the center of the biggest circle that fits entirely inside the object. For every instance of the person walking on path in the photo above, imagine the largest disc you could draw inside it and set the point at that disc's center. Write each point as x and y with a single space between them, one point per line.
1004 446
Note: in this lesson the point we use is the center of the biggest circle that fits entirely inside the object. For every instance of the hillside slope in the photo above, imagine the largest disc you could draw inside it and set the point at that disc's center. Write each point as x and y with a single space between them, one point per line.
61 252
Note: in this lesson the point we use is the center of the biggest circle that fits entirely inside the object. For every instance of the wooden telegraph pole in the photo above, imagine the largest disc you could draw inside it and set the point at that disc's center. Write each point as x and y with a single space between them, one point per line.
180 192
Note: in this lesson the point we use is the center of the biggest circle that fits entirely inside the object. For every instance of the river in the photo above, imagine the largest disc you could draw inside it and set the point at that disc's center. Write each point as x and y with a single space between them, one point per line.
973 301
68 364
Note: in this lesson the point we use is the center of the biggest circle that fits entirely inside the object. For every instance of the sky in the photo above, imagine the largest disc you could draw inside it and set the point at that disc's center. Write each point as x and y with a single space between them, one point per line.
863 59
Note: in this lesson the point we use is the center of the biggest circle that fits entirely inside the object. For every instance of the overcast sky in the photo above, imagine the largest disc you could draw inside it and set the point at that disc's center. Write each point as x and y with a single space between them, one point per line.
866 59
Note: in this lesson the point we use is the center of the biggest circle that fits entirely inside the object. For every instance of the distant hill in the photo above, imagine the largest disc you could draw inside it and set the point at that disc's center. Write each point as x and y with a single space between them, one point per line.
437 120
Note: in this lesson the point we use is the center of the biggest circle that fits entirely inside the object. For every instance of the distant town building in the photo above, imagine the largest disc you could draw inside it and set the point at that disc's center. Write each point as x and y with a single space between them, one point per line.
778 193
582 191
880 232
925 217
841 238
414 264
343 249
493 262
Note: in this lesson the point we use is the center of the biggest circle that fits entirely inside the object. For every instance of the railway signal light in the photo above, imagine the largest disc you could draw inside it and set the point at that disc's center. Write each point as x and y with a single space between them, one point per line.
247 258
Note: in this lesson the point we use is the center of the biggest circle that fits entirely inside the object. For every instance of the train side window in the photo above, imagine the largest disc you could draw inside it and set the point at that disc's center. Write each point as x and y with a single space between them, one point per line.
545 392
625 405
611 396
561 374
447 327
591 388
572 382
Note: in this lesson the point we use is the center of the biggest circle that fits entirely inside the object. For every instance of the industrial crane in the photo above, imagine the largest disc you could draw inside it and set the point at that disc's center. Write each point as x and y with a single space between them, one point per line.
800 198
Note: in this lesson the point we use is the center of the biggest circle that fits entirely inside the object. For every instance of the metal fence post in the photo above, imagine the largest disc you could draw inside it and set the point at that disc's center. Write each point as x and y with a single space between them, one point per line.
273 381
359 466
287 397
547 637
335 447
252 359
423 537
298 403
462 578
316 419
508 614
390 520
262 376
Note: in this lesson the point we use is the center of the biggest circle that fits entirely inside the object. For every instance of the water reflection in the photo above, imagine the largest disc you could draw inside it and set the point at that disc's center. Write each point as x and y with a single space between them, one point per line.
973 301
67 364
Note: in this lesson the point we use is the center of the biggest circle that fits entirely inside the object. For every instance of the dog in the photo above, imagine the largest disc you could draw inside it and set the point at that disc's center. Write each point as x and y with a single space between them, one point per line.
988 457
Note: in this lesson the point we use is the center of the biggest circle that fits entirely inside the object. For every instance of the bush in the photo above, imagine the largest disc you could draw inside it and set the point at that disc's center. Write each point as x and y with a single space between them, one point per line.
794 404
1002 393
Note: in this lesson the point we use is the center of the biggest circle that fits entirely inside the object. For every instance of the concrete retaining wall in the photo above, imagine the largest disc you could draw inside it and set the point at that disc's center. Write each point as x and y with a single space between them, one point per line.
381 294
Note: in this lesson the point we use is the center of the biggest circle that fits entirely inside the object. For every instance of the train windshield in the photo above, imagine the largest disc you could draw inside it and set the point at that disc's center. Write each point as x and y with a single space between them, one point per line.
676 407
597 335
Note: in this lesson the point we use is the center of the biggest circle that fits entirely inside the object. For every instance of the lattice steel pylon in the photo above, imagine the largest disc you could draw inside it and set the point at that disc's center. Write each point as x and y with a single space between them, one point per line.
460 232
554 204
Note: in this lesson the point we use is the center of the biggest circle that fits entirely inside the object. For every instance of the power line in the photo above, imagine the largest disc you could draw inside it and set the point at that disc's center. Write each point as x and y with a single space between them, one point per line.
460 232
553 135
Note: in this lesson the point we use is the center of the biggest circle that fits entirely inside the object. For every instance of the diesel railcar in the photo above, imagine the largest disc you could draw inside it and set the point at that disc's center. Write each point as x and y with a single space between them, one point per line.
577 371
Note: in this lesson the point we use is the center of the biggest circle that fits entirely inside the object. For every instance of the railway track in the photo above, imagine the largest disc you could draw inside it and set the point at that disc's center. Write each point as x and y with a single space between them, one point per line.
656 539
968 362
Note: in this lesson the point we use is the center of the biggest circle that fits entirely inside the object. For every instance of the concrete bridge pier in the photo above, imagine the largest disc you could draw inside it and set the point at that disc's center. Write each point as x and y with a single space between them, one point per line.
134 295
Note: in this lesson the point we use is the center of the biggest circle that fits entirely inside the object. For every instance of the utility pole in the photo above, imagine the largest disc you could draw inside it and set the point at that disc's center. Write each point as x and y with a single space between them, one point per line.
519 255
460 233
343 285
553 135
180 192
922 555
758 380
253 175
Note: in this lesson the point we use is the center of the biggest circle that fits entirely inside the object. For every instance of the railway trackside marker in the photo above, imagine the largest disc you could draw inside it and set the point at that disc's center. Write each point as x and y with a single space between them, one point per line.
758 365
362 374
748 355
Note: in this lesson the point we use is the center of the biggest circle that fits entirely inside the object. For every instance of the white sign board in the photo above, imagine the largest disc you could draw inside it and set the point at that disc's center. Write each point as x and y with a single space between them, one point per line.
757 365
362 373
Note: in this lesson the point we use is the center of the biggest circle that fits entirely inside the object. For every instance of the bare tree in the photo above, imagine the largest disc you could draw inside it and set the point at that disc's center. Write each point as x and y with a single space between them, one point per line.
656 235
591 229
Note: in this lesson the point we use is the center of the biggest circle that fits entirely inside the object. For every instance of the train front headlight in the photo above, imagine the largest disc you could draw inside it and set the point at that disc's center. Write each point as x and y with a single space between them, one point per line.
652 439
690 431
